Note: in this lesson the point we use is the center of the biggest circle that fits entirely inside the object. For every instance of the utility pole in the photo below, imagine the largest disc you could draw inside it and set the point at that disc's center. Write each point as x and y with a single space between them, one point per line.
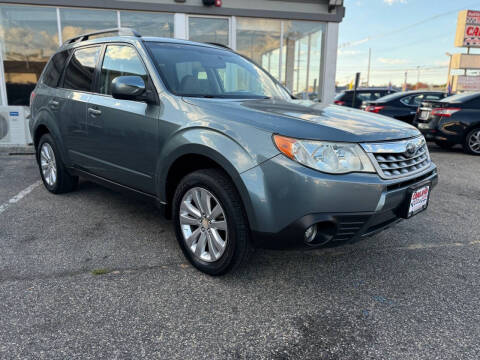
369 65
449 77
405 82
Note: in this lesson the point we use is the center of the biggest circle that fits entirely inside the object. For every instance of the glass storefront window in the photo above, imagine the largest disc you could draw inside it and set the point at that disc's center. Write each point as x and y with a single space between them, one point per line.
29 37
303 56
259 39
213 30
148 23
295 59
80 21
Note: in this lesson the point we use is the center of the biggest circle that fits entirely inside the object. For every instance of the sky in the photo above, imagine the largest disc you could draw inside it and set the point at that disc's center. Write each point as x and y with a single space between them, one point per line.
404 35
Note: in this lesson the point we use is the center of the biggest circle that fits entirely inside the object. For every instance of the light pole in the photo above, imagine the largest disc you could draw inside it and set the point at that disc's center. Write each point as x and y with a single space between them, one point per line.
449 76
369 65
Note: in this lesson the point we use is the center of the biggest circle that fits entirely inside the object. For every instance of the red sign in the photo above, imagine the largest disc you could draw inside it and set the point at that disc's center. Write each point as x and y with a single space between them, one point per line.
472 29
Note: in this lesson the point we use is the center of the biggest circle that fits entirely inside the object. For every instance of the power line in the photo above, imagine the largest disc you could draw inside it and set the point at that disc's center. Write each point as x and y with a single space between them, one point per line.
403 28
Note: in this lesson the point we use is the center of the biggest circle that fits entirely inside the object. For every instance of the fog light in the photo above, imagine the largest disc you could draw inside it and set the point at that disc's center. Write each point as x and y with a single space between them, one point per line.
311 233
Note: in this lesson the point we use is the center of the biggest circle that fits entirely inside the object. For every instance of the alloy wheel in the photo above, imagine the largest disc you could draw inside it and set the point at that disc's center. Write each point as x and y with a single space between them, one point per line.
203 224
48 164
474 141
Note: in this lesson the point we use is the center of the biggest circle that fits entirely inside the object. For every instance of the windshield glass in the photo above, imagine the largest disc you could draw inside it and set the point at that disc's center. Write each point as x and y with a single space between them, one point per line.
197 71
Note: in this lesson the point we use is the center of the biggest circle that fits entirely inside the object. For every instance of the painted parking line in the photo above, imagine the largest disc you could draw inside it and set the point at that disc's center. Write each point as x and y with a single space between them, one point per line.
19 196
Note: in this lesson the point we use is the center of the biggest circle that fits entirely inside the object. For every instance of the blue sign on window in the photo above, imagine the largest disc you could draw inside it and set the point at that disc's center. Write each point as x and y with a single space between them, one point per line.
14 113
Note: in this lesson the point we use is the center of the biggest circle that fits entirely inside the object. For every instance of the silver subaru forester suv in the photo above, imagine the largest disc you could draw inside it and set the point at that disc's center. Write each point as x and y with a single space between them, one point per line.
223 148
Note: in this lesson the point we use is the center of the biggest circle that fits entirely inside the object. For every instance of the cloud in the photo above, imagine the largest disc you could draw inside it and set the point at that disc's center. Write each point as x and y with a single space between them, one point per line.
442 62
348 52
391 2
390 61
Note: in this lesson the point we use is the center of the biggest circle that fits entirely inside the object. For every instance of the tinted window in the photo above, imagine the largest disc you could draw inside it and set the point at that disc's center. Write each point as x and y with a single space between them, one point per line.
80 69
408 100
55 69
120 60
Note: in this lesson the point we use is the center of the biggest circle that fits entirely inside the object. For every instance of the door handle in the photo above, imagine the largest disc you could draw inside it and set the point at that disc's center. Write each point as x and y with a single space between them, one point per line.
94 112
53 104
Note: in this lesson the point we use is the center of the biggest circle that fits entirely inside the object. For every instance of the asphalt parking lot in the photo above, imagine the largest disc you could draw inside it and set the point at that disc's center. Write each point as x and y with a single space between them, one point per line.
95 274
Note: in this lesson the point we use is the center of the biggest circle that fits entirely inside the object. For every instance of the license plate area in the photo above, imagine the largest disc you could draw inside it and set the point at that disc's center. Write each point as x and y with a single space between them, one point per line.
416 201
423 126
424 114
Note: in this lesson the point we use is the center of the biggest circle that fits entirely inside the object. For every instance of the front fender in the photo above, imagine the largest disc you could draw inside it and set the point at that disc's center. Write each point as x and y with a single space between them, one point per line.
225 151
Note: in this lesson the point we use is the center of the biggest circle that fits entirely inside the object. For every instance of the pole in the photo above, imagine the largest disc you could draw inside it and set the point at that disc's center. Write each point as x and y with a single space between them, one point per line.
369 65
357 81
449 76
405 82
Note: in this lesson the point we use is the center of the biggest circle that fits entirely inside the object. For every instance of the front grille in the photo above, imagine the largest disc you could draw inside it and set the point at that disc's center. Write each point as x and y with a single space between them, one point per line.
399 159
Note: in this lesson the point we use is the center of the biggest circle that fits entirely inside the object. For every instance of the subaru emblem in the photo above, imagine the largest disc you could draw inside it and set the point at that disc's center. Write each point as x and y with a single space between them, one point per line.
411 149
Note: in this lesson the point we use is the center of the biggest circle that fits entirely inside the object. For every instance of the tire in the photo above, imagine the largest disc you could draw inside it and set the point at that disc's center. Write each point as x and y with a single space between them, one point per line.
54 175
472 142
444 144
218 190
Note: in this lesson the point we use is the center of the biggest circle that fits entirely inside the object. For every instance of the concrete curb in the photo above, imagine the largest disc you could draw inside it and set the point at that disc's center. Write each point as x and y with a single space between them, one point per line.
17 150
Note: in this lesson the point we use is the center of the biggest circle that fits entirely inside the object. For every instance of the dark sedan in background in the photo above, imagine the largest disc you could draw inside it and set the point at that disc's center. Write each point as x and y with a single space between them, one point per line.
345 98
451 121
402 106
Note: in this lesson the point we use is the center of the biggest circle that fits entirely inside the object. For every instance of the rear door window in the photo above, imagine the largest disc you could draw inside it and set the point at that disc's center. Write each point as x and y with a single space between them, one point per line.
55 68
80 71
120 60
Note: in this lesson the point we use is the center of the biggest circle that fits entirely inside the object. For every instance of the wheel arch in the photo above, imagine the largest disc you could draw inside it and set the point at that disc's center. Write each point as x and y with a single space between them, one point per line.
192 157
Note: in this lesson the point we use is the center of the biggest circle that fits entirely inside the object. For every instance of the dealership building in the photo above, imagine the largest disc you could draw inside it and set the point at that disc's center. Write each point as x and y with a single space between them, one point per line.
296 41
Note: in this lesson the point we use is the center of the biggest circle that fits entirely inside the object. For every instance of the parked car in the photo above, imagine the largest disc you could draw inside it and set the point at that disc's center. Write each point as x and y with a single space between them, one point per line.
345 98
221 147
402 106
453 120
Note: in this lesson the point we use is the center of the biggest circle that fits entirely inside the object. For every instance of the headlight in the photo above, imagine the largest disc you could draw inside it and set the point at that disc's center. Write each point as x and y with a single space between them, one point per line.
325 156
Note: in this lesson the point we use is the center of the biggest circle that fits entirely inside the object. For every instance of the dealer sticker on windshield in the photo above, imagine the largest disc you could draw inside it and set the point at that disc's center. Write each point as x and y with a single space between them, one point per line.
419 200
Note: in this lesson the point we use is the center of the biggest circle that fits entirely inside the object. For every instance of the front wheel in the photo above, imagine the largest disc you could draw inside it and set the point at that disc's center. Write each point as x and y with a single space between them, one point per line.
472 142
210 223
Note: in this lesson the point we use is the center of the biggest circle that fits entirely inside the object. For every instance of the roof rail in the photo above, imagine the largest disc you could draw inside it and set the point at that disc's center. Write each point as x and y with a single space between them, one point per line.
219 45
119 31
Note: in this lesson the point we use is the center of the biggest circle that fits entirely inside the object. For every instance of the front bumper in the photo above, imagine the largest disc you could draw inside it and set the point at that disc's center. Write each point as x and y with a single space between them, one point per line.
346 208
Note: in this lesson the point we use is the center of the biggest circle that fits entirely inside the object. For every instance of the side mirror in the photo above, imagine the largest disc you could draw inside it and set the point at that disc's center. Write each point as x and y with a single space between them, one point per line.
128 88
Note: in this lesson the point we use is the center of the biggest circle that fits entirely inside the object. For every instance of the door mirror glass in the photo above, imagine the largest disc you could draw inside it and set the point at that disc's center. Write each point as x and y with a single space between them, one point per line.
128 87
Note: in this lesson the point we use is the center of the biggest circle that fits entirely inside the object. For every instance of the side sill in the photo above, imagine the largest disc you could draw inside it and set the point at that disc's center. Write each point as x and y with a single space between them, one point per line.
120 188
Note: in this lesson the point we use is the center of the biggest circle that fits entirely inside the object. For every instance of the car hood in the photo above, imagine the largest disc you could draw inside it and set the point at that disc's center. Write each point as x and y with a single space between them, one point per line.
308 120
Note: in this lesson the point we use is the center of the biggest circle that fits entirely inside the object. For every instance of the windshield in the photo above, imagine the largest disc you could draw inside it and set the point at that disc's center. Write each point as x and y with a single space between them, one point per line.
198 71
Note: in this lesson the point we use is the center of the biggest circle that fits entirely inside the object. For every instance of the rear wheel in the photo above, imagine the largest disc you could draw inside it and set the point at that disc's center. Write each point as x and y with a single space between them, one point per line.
52 170
210 223
472 142
444 144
